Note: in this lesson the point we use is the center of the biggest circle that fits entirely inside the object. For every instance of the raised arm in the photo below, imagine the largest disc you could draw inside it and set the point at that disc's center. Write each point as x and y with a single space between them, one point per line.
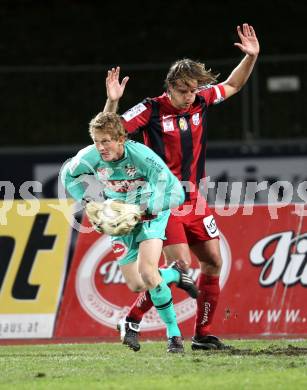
114 88
250 46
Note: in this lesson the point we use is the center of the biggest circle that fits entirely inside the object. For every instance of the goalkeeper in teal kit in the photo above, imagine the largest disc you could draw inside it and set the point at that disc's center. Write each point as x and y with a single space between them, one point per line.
138 192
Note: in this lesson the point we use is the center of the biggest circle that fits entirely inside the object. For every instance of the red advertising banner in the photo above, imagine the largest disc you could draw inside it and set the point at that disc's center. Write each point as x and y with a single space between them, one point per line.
263 280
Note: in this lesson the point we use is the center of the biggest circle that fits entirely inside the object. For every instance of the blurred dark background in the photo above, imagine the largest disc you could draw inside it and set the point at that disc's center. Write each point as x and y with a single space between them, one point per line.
55 54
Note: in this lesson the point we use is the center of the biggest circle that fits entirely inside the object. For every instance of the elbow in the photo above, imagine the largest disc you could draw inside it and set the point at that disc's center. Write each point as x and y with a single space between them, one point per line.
236 88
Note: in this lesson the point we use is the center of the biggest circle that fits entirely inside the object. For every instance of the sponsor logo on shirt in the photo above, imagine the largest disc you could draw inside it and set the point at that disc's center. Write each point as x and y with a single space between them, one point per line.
124 185
130 170
167 123
134 111
119 249
183 124
195 119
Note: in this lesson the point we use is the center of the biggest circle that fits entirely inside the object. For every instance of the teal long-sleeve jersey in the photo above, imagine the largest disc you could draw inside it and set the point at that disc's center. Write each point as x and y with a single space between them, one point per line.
139 177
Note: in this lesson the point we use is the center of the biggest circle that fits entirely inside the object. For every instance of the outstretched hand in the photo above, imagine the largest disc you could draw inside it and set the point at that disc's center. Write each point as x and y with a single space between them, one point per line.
115 89
249 42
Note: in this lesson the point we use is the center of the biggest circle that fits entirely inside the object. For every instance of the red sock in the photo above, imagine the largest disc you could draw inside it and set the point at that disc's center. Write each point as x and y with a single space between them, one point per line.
207 300
142 304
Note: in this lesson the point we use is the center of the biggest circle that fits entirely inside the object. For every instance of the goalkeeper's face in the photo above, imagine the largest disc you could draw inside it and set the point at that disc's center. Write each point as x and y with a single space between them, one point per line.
108 148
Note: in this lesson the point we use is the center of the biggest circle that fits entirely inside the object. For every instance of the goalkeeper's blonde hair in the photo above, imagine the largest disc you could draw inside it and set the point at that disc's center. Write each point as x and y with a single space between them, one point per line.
107 123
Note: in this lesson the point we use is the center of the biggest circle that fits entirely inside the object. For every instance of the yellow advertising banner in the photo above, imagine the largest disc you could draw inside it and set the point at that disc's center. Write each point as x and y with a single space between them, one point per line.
34 243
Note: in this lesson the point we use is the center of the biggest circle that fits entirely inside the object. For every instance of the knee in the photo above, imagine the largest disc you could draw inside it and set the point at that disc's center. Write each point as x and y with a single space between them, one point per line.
135 287
150 279
214 260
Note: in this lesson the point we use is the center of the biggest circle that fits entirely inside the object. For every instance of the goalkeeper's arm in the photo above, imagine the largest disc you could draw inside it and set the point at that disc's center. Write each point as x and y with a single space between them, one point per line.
72 184
167 192
79 180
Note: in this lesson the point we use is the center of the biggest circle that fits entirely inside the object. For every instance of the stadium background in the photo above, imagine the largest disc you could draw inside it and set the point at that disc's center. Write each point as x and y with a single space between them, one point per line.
54 58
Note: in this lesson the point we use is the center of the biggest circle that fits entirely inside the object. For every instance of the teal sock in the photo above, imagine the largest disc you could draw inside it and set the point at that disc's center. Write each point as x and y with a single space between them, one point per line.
169 275
161 297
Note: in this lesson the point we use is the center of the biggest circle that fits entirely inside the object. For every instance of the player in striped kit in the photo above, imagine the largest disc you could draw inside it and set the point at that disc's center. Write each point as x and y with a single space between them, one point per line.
174 126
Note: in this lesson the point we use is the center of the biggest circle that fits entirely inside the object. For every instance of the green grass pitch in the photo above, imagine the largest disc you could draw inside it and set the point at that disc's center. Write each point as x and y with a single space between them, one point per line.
253 364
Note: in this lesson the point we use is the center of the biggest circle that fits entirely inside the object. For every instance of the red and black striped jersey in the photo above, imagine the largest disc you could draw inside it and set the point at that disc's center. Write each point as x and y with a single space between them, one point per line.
178 137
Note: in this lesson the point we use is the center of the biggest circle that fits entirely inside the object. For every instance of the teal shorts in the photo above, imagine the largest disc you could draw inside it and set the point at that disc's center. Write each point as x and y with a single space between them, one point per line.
126 247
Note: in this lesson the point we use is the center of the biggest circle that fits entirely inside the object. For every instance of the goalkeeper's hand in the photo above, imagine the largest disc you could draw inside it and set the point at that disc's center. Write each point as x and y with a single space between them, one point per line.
113 217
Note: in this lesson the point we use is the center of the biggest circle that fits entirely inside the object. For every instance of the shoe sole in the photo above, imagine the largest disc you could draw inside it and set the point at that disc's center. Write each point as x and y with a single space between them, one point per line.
134 348
175 350
210 346
204 347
